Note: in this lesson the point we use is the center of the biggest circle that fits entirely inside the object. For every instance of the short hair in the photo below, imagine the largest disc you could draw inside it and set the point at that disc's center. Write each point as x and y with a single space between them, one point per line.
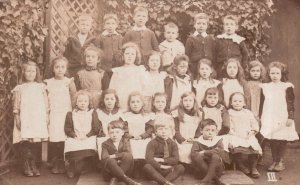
116 124
23 69
162 122
159 94
55 60
85 17
231 17
136 93
170 25
110 16
92 47
201 16
253 64
137 49
283 69
179 58
104 93
212 91
236 93
153 52
140 9
86 93
207 122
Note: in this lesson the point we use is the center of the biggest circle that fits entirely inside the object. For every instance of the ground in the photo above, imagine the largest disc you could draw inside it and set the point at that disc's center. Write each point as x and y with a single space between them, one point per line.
287 177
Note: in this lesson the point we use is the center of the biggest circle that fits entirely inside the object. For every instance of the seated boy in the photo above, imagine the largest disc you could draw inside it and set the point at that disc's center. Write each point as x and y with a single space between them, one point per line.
207 153
162 156
116 157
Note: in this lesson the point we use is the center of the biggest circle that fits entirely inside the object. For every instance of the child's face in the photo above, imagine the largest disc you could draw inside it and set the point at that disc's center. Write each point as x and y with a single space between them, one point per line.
60 68
255 73
232 69
129 56
230 26
154 62
136 103
188 102
275 74
209 132
238 102
110 101
160 103
182 67
116 134
205 71
91 58
163 132
83 102
201 25
84 26
171 34
110 25
212 99
140 18
30 73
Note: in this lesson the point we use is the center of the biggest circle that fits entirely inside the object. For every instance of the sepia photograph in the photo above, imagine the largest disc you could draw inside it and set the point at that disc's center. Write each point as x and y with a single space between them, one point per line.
141 92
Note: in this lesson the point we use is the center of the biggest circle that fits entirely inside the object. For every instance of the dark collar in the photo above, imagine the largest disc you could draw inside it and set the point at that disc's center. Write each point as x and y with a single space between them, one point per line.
161 140
114 111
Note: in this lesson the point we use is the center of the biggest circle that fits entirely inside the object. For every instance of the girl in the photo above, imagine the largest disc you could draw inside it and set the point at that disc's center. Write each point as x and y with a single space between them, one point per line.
129 77
187 125
243 128
154 79
108 111
81 127
138 124
233 79
30 109
255 74
277 118
213 108
61 90
91 78
204 79
178 82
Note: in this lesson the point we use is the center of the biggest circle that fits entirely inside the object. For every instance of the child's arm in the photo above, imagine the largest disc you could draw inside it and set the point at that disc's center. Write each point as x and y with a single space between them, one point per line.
96 126
126 131
125 149
46 100
254 124
188 47
290 100
178 135
174 157
154 42
149 128
69 127
16 108
195 149
72 90
77 82
225 122
150 151
261 105
245 54
247 93
105 80
198 131
104 152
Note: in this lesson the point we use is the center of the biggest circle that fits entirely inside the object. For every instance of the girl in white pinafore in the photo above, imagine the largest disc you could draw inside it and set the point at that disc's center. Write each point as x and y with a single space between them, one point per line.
138 125
187 125
130 76
30 108
277 119
60 92
108 111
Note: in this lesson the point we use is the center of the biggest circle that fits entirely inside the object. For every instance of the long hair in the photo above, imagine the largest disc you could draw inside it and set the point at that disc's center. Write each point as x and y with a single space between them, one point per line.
24 67
136 93
104 93
240 74
55 60
209 63
86 93
181 110
152 53
136 48
252 64
283 69
159 94
212 91
177 61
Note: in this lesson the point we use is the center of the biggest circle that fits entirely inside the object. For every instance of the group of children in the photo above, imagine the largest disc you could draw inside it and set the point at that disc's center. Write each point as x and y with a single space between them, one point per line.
136 103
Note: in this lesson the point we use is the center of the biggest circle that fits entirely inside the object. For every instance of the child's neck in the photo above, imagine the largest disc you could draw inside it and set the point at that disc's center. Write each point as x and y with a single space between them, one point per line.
128 65
83 34
153 72
83 110
136 112
59 77
159 112
181 76
109 109
204 79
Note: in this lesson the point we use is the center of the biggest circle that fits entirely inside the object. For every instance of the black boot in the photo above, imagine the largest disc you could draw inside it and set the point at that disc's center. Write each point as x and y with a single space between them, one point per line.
130 181
27 169
35 170
253 160
54 168
71 169
240 165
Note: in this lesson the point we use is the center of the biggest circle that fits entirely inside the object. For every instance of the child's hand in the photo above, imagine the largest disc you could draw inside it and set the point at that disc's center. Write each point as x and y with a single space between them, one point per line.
190 140
165 167
159 160
251 133
113 156
289 122
201 153
18 122
137 137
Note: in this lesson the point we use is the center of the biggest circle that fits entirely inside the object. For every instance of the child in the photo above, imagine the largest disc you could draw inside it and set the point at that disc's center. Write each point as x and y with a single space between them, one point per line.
171 47
233 79
76 44
243 128
277 114
81 127
162 156
208 153
199 45
61 91
230 45
141 35
205 79
110 42
255 75
116 156
30 109
178 82
129 77
154 79
91 77
187 125
213 108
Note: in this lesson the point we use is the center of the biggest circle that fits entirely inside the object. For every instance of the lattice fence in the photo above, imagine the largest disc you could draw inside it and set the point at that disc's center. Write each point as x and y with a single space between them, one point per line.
62 22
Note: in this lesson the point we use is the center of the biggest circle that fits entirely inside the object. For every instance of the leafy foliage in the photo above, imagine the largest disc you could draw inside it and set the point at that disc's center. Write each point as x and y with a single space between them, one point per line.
254 17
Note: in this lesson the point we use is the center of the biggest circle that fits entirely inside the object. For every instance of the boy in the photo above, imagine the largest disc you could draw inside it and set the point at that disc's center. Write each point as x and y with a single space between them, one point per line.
110 41
116 155
171 47
207 153
162 155
76 44
230 45
141 35
199 45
